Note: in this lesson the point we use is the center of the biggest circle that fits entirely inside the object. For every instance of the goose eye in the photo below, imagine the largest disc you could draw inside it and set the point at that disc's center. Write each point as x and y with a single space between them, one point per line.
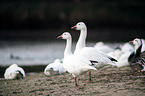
79 24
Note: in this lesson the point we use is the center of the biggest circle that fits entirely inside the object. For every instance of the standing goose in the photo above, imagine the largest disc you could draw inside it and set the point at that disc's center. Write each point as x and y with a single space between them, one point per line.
136 59
74 64
90 52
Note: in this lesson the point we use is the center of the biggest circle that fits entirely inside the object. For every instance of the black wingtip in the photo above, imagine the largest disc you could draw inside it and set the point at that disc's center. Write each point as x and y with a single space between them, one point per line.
93 62
112 59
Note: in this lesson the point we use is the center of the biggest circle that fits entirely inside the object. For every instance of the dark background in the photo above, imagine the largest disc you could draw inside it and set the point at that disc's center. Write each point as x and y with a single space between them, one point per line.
107 20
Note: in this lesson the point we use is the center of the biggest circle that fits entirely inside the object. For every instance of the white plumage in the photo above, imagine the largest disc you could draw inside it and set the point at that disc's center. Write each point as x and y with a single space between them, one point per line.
123 60
90 52
122 54
102 47
74 64
127 47
56 66
14 72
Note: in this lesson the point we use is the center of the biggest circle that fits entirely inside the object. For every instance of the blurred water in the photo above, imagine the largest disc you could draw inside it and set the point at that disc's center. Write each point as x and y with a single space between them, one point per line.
34 53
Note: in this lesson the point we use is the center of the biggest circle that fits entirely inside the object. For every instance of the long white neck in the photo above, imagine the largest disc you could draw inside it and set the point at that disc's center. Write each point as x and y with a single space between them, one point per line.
82 40
67 50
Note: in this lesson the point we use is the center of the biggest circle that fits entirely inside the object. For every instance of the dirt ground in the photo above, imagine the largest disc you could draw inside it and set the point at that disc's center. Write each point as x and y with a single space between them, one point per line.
105 82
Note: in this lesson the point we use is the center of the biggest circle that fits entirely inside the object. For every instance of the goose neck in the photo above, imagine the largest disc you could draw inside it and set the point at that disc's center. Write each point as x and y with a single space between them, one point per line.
82 39
68 47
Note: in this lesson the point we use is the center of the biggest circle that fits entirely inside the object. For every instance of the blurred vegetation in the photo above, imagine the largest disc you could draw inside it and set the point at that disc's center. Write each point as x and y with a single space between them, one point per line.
61 14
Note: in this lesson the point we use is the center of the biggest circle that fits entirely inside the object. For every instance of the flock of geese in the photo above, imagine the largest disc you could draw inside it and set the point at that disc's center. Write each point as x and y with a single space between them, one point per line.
85 59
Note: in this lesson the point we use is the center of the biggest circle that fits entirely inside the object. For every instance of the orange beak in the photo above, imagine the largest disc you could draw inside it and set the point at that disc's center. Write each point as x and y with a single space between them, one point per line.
73 27
59 36
130 41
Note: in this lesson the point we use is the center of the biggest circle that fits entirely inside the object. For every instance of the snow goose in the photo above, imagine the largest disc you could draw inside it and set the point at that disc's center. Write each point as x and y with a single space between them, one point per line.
123 54
74 64
90 52
102 47
137 61
123 60
14 72
127 47
121 57
56 66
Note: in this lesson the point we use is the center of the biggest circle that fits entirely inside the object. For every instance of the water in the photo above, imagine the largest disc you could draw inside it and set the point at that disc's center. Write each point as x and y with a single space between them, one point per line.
34 53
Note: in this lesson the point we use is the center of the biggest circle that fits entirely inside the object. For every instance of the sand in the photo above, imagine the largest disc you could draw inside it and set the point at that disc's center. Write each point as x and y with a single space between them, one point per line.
105 82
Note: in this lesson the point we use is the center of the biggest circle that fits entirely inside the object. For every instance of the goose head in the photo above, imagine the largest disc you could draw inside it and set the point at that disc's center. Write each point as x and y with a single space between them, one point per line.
65 35
137 42
79 26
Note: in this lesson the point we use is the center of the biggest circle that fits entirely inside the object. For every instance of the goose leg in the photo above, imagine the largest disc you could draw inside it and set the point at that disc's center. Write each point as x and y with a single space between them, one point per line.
75 81
90 76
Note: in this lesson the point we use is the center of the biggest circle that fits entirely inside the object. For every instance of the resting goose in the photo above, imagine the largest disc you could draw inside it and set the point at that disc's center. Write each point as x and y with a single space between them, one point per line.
123 60
137 61
102 47
56 66
90 52
74 64
121 56
127 47
14 72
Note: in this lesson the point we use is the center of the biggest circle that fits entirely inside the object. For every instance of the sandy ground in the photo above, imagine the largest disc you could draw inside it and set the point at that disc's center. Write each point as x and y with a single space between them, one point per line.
105 82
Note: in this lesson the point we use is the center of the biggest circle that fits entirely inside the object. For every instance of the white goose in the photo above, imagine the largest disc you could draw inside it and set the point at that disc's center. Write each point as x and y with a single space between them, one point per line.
123 54
123 60
90 52
74 64
56 66
102 47
14 72
127 47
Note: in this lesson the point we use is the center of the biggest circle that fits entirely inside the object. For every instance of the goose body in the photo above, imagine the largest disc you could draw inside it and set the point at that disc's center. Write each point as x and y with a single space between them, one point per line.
123 54
56 66
14 72
121 57
123 60
127 47
74 64
90 52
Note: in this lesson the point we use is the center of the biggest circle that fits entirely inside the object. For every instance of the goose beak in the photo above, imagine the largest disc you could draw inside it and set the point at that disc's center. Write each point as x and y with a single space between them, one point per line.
59 36
74 27
130 41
